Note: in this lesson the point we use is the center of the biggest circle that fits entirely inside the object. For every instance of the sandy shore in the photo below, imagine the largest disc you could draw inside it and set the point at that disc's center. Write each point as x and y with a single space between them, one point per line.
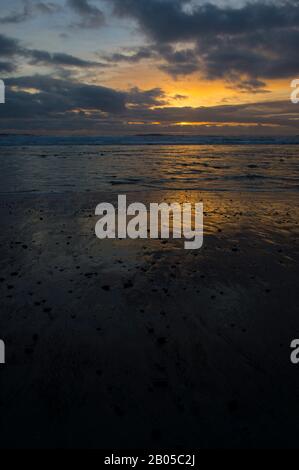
143 344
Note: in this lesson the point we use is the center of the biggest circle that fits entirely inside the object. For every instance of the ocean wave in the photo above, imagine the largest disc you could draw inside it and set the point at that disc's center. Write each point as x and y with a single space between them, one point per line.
32 140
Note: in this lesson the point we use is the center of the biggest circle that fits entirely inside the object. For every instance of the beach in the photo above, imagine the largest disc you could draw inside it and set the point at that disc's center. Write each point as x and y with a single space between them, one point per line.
121 343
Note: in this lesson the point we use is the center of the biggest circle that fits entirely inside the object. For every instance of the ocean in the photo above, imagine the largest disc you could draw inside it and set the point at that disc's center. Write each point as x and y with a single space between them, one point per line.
60 165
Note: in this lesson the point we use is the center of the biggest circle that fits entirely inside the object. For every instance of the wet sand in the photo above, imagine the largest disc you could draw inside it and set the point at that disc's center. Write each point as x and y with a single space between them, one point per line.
121 344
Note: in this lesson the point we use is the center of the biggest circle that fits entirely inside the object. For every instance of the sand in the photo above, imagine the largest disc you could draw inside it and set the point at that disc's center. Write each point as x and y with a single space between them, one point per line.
121 344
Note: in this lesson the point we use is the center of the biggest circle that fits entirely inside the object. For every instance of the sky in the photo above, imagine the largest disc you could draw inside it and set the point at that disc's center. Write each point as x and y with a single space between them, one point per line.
108 67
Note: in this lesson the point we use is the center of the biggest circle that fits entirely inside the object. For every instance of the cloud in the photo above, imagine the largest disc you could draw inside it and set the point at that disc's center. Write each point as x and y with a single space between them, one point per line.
9 46
28 10
252 42
178 61
48 8
63 96
131 55
252 86
18 16
139 99
53 97
45 103
7 67
59 59
175 62
168 21
9 49
278 113
90 15
12 49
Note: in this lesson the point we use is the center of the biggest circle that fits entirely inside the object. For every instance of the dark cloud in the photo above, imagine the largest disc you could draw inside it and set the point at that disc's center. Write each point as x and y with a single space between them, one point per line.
179 97
9 49
60 59
139 99
54 97
9 46
176 62
18 16
64 105
65 96
7 67
132 56
12 49
168 21
28 10
255 41
252 86
90 15
263 113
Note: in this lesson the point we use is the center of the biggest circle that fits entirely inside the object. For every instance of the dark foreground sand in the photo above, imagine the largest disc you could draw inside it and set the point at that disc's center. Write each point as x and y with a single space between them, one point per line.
144 344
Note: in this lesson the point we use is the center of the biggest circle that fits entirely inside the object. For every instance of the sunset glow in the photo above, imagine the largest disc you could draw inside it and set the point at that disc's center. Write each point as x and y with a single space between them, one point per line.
98 66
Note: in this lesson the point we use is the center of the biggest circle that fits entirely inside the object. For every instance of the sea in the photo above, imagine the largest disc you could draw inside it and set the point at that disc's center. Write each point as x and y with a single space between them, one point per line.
43 164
